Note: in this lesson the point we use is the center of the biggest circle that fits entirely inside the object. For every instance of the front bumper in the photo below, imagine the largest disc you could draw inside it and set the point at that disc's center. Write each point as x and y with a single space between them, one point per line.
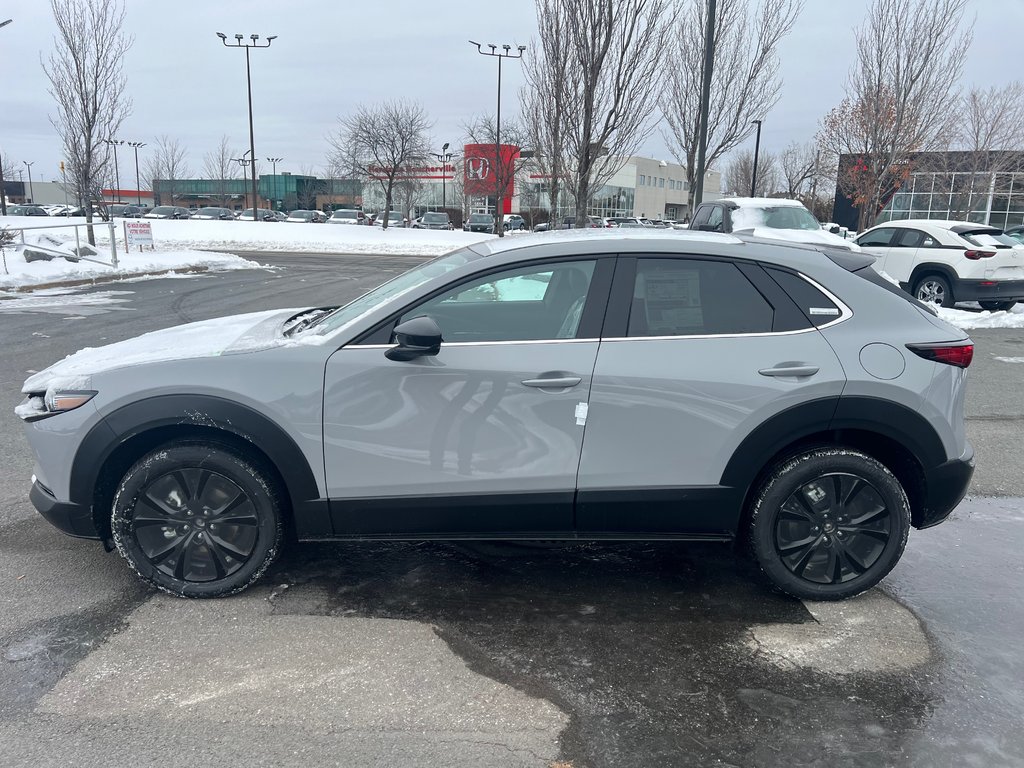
945 487
989 290
73 519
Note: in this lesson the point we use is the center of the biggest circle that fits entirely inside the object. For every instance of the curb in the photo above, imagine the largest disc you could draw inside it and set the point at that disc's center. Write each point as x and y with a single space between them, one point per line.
100 279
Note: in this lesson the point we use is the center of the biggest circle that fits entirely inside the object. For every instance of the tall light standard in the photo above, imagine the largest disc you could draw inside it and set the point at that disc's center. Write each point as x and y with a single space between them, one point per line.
444 157
117 174
245 163
138 187
31 189
248 79
5 23
757 151
273 162
705 104
3 200
502 181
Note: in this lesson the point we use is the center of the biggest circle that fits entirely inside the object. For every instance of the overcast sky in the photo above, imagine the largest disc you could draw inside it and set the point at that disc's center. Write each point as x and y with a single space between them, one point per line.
331 56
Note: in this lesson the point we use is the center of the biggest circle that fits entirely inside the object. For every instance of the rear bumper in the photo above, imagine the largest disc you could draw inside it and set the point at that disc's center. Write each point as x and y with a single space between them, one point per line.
989 290
945 487
73 519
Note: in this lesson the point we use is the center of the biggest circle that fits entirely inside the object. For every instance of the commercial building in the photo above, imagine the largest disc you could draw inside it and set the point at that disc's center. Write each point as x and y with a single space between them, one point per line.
283 191
986 188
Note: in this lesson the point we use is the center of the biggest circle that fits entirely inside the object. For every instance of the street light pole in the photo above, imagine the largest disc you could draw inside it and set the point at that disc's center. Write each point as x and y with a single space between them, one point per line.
138 187
444 158
248 79
31 189
501 183
274 161
117 173
705 103
757 151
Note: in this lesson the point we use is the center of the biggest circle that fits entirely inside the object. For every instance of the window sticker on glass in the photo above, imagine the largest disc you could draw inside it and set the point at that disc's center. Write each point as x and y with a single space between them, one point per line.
672 299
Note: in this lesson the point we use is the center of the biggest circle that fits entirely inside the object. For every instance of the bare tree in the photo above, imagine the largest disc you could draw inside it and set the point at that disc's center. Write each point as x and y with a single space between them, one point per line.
87 82
740 170
544 100
221 168
380 142
613 68
910 54
745 79
798 164
167 164
505 167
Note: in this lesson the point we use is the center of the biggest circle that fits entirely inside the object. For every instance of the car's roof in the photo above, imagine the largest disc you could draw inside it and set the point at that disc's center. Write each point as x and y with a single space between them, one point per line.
947 224
633 240
760 202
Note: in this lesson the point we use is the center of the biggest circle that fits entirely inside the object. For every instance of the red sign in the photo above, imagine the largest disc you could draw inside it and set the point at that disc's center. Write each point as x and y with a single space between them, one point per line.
481 169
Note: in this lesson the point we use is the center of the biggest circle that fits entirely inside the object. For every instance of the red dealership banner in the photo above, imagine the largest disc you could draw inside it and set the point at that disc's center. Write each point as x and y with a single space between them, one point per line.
479 168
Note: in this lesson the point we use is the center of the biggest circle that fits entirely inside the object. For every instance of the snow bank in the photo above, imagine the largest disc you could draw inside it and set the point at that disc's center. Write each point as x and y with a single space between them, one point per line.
968 320
285 236
21 273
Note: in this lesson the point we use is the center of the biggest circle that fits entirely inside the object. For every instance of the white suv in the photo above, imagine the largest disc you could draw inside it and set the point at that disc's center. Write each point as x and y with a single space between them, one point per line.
944 262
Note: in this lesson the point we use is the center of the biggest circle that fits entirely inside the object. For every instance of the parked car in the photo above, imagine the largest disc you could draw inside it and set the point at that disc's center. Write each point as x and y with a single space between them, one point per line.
775 218
303 217
944 262
214 214
120 211
25 210
320 217
781 395
433 220
395 219
514 222
479 222
167 212
265 214
347 216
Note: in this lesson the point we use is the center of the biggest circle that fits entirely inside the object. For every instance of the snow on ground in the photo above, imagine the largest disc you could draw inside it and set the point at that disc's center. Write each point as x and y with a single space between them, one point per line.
284 236
20 273
967 320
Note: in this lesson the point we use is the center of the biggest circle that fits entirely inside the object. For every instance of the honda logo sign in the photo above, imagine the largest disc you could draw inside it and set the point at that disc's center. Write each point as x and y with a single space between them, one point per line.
477 168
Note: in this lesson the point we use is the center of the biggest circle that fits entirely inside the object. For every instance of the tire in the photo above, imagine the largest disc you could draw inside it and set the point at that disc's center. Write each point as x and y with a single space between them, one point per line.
998 306
197 519
829 524
934 289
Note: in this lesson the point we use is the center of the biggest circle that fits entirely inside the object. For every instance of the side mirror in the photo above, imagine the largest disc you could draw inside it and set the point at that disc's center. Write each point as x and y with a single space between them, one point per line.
418 337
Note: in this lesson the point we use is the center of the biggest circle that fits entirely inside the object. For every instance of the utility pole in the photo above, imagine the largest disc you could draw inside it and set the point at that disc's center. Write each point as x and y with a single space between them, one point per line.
705 103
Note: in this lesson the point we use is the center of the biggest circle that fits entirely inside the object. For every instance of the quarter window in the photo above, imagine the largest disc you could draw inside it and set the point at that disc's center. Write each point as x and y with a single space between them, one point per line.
818 308
691 297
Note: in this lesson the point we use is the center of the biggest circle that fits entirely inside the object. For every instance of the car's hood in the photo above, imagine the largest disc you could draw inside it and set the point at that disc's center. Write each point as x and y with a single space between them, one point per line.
811 236
207 338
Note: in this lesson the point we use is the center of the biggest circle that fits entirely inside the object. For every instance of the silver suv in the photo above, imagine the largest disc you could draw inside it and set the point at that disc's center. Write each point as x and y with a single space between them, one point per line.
581 385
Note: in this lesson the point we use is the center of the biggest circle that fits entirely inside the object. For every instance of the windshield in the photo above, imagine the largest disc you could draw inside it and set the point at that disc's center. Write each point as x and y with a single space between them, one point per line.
345 215
435 217
162 209
393 288
774 217
989 239
481 218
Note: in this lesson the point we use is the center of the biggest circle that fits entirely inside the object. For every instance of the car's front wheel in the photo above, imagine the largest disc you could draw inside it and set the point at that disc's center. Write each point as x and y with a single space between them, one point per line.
829 524
934 289
197 519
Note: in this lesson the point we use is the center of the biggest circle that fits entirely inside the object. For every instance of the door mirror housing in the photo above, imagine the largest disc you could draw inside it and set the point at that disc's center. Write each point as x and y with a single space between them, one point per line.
418 337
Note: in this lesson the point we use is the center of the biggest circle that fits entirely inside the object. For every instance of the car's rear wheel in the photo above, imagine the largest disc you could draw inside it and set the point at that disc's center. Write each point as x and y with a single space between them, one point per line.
197 520
998 306
934 289
829 524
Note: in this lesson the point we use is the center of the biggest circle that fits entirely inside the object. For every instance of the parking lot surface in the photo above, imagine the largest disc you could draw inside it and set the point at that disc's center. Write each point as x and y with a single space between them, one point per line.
498 654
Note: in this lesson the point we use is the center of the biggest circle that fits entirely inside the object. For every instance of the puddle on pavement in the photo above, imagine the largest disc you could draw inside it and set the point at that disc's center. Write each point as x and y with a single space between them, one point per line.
647 646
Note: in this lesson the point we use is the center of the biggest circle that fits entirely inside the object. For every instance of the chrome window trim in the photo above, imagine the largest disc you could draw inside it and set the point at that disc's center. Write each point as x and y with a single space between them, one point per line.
446 344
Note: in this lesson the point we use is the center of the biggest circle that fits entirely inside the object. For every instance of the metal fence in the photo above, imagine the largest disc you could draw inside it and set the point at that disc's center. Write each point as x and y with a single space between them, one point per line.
78 242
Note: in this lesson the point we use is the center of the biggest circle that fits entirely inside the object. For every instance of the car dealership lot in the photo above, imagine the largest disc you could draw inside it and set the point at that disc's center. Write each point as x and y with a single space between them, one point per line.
500 654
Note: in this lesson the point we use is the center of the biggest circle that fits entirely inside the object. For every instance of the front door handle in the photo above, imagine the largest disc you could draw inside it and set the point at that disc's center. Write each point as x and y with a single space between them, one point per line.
560 382
790 370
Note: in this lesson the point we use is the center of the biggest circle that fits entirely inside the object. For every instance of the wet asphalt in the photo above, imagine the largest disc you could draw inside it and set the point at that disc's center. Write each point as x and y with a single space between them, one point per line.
500 654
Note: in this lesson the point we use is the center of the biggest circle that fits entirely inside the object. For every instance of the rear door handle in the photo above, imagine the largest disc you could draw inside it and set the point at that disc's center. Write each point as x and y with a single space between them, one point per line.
560 382
790 370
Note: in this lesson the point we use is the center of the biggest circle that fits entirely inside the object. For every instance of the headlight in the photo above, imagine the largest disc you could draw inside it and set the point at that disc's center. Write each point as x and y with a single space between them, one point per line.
59 401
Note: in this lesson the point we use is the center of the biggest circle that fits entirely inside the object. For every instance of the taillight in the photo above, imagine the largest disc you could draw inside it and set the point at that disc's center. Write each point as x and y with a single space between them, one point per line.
975 255
958 353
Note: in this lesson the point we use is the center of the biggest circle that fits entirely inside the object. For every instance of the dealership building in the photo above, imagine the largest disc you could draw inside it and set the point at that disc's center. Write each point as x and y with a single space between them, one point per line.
985 188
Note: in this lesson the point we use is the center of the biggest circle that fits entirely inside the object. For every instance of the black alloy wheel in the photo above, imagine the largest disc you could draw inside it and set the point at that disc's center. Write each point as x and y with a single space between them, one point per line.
829 524
197 520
